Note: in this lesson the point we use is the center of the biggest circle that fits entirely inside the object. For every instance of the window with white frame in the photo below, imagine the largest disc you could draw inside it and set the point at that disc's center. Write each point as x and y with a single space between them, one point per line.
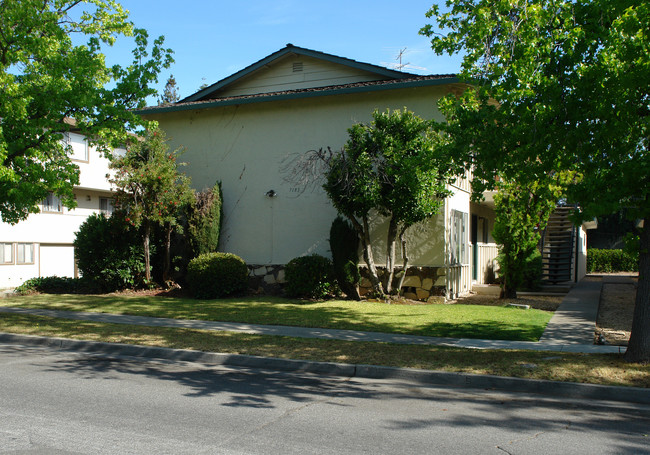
106 206
459 240
6 253
24 253
78 146
52 203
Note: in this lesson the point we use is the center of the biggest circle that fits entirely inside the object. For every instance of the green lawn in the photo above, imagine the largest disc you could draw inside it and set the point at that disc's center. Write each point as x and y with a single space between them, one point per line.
459 321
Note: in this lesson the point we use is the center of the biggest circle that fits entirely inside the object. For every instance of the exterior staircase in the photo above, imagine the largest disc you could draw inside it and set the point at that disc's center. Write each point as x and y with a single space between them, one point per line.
557 247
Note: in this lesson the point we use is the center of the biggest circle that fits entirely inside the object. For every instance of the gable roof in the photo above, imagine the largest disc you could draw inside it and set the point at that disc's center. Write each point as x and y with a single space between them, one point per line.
290 49
380 79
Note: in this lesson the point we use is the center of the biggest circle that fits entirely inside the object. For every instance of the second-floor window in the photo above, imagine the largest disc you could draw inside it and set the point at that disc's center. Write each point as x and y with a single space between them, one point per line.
52 203
78 145
106 206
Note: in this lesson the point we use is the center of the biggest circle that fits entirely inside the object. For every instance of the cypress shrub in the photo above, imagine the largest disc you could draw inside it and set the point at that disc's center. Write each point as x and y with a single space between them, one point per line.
204 219
214 275
344 245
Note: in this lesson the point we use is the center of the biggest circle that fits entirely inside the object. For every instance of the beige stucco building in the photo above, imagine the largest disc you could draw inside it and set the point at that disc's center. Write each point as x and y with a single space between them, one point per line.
243 129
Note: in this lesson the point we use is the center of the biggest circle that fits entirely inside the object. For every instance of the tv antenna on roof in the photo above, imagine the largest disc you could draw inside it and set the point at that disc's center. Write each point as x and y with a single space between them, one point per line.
401 65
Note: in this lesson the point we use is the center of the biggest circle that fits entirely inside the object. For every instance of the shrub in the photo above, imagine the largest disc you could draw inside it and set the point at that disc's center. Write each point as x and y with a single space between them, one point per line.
532 272
50 285
309 277
204 217
607 261
109 253
214 275
344 244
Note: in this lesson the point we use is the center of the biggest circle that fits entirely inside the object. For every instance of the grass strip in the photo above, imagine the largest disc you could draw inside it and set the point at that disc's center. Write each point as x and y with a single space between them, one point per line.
456 321
606 369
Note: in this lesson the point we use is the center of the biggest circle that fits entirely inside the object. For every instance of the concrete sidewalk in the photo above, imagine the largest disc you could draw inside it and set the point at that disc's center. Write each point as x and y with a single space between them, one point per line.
574 322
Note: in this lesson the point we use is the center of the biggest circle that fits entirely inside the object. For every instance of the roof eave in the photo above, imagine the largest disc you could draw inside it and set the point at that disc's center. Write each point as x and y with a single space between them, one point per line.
189 106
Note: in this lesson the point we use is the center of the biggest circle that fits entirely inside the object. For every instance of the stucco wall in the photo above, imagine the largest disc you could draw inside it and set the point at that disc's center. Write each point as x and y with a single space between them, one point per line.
52 234
245 147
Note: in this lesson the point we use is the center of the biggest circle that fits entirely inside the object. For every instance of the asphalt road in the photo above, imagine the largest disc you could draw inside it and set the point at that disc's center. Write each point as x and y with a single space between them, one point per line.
53 402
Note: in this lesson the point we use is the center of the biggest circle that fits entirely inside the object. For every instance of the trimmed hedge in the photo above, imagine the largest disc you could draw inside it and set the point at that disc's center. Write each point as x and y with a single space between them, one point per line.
214 275
55 285
309 277
607 261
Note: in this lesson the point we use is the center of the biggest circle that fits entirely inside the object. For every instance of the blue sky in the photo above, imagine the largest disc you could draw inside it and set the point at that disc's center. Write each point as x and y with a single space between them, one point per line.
213 39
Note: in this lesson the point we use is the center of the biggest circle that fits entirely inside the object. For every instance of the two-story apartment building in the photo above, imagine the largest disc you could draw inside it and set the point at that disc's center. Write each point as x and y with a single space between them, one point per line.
41 245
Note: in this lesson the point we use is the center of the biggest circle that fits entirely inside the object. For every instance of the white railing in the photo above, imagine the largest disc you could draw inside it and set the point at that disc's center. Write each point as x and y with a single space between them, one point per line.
487 264
459 280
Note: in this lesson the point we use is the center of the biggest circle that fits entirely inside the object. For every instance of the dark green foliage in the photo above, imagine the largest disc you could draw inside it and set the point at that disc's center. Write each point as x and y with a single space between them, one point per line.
344 244
50 285
109 253
607 261
391 167
309 277
204 218
214 275
532 273
522 212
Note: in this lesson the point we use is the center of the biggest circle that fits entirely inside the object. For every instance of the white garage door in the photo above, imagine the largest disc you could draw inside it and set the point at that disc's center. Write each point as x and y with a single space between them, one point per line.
57 260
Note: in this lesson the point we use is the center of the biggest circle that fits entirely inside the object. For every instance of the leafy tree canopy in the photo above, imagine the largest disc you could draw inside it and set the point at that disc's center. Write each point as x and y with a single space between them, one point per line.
50 85
393 167
557 85
149 186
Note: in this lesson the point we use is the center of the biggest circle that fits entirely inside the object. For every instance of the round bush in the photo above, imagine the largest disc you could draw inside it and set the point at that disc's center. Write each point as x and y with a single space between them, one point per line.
309 277
214 275
109 253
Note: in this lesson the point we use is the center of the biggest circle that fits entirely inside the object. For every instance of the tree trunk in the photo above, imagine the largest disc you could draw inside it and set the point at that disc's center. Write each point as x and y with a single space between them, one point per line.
508 285
638 348
390 256
369 258
405 258
147 263
168 242
363 231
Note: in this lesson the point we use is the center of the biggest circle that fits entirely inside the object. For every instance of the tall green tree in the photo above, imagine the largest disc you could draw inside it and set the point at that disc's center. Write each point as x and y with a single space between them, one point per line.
49 85
150 189
558 85
170 93
391 167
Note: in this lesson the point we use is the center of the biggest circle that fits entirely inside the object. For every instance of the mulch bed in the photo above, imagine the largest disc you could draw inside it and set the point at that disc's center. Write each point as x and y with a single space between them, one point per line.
615 313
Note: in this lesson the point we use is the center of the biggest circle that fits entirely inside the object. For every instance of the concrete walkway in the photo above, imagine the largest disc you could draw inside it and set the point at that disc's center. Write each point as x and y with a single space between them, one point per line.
570 330
574 322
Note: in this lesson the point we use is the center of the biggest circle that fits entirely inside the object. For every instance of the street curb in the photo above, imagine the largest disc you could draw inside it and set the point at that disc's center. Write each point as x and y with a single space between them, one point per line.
462 380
